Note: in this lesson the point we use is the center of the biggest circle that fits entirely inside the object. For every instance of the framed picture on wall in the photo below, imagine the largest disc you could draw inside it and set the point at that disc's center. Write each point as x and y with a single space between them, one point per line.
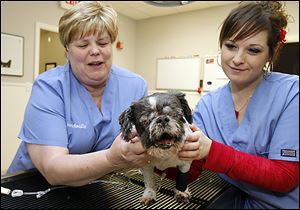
12 48
50 66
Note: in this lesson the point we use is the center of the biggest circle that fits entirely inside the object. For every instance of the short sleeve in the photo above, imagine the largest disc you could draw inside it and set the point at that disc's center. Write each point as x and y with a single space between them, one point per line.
203 113
44 120
197 117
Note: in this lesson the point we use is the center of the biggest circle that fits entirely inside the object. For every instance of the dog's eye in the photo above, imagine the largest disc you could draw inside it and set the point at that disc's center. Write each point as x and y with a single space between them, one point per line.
177 114
144 120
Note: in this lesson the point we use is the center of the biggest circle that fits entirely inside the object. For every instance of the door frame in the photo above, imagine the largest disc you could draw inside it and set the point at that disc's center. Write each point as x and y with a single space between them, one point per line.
38 27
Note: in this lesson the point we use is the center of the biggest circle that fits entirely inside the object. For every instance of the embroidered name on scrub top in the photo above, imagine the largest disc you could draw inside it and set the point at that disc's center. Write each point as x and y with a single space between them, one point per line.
288 153
76 125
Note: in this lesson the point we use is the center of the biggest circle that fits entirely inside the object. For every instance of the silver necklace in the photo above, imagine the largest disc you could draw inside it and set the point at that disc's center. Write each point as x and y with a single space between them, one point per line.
243 106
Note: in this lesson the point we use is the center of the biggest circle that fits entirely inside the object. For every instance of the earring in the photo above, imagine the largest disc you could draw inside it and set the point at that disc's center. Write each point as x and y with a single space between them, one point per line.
268 69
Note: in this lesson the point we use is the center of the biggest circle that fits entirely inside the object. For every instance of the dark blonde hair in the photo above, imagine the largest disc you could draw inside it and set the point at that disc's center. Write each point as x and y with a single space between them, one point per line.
250 18
87 17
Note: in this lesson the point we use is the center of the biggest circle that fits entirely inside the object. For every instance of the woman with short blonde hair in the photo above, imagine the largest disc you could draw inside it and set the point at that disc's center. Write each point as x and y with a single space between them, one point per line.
71 132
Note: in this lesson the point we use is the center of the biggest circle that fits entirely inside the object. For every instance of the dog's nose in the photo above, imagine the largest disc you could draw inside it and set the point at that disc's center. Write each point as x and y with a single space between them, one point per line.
162 120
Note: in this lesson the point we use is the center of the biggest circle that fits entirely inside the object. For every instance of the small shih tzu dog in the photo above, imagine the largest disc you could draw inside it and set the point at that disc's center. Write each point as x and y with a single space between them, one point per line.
161 120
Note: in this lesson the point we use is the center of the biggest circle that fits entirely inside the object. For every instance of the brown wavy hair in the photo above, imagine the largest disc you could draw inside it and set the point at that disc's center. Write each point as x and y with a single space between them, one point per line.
250 18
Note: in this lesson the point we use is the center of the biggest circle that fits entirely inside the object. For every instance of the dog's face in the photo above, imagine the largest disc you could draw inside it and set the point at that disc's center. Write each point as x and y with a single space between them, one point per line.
158 120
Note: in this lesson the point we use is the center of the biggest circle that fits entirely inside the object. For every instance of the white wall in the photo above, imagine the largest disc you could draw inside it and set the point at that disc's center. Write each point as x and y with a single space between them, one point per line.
14 97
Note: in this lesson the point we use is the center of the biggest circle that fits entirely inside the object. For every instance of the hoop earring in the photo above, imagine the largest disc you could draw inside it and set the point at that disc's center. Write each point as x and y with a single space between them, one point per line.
219 58
268 69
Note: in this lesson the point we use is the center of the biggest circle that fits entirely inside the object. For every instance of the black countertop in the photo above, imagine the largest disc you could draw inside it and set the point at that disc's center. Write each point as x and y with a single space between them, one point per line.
102 195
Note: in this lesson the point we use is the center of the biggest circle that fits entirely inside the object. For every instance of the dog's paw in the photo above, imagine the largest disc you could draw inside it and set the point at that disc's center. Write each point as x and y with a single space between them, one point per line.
148 198
183 197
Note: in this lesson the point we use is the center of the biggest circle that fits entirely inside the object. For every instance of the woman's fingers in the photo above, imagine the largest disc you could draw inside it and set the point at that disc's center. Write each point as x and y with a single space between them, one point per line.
194 128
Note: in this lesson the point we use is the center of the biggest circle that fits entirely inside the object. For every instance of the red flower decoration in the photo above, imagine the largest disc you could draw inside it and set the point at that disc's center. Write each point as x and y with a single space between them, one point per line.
282 35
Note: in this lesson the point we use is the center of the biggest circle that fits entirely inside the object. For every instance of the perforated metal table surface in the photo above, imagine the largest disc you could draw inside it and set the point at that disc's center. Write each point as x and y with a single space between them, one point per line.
102 195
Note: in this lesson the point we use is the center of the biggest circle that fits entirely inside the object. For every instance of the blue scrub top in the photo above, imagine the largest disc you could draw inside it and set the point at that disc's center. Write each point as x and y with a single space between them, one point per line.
270 125
61 112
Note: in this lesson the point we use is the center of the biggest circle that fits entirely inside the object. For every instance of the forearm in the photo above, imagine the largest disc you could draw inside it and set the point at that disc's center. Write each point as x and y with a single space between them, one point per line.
77 170
278 176
61 168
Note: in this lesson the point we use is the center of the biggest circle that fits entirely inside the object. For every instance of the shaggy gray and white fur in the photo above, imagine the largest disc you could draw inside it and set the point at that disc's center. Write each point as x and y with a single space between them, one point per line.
161 120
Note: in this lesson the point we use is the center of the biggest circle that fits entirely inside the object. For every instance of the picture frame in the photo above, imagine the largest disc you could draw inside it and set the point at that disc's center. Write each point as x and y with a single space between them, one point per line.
12 54
50 66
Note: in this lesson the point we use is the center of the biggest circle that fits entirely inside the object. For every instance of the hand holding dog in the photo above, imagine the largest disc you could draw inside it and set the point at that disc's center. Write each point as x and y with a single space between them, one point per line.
127 154
196 146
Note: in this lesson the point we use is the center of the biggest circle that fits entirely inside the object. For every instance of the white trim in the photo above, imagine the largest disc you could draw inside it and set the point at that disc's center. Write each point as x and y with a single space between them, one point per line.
38 27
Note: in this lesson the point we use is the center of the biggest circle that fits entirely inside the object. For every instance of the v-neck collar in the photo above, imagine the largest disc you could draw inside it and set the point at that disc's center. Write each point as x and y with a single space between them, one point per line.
225 109
96 115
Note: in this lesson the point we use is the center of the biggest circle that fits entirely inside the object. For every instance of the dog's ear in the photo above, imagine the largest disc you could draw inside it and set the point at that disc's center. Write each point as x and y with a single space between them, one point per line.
126 122
185 106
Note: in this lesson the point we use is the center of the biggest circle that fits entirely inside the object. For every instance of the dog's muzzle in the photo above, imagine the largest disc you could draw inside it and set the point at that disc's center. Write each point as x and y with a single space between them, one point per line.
165 141
165 132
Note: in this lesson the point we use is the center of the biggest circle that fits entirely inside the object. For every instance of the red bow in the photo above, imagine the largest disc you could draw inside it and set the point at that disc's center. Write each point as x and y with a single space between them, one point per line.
282 35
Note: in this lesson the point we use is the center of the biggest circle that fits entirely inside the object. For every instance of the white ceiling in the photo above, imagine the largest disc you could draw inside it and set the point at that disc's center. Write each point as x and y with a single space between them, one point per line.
139 10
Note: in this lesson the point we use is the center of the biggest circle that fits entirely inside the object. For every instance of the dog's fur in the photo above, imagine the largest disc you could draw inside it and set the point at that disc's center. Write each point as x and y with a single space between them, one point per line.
161 121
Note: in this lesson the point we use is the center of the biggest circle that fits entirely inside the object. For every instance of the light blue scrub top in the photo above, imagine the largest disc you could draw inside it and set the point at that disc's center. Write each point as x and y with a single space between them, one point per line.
270 124
61 112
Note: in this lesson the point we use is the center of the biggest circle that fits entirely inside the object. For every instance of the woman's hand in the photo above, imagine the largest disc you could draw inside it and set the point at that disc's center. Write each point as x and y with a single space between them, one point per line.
196 146
127 154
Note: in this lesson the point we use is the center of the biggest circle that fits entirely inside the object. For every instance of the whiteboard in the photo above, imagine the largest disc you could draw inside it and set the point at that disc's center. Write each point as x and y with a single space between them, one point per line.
181 73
